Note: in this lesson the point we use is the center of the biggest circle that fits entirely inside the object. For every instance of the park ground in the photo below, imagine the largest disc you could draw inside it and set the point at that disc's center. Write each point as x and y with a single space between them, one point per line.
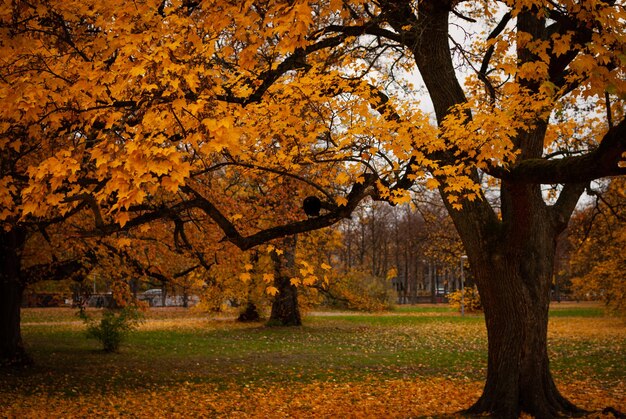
418 361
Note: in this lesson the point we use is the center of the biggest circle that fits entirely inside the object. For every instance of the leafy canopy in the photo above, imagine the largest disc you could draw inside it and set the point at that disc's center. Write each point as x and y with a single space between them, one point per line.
138 110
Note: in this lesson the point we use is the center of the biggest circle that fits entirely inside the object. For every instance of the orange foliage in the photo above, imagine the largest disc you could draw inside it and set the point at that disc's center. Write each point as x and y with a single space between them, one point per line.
598 236
368 399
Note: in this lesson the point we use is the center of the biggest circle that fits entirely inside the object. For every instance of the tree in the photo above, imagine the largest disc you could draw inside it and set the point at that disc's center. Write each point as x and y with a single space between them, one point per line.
598 237
285 308
30 253
132 109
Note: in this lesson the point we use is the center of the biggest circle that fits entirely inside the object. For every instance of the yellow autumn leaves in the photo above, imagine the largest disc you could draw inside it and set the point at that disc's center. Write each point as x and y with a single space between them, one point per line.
146 97
308 273
370 399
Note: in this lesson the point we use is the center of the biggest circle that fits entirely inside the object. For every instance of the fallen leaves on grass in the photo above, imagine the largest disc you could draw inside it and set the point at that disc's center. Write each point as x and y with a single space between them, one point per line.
589 328
368 399
342 365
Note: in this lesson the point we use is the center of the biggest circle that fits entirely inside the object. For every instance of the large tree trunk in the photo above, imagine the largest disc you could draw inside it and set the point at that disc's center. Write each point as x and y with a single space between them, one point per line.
12 350
512 264
516 313
285 309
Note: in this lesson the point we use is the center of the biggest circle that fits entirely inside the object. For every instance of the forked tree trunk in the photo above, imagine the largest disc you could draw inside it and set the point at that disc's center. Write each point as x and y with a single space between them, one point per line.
12 350
285 309
513 265
511 251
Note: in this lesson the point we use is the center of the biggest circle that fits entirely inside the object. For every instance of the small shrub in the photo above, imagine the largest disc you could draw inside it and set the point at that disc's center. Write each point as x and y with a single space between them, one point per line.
471 300
113 327
361 291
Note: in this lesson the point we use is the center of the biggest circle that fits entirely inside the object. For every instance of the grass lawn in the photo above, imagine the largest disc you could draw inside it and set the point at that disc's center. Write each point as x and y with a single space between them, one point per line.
414 361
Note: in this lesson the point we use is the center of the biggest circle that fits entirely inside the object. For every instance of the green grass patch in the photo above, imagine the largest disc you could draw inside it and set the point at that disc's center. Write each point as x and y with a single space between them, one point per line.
425 308
574 311
177 346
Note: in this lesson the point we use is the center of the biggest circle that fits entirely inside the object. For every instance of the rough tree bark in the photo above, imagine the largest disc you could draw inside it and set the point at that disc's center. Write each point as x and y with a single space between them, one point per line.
285 309
512 263
12 350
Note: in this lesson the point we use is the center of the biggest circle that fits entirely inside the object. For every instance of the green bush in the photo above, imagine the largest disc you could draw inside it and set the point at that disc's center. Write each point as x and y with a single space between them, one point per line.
471 300
113 327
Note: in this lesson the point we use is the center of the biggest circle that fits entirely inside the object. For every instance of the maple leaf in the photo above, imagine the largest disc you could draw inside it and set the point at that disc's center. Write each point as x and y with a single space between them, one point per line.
342 178
122 218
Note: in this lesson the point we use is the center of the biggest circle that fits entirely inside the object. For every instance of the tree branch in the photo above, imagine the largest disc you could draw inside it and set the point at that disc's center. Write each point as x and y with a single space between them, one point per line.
294 61
566 203
482 73
57 270
357 194
601 162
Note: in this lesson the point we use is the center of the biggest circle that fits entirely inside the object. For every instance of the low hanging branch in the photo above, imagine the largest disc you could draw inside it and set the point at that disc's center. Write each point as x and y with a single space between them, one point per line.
59 270
357 194
139 267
